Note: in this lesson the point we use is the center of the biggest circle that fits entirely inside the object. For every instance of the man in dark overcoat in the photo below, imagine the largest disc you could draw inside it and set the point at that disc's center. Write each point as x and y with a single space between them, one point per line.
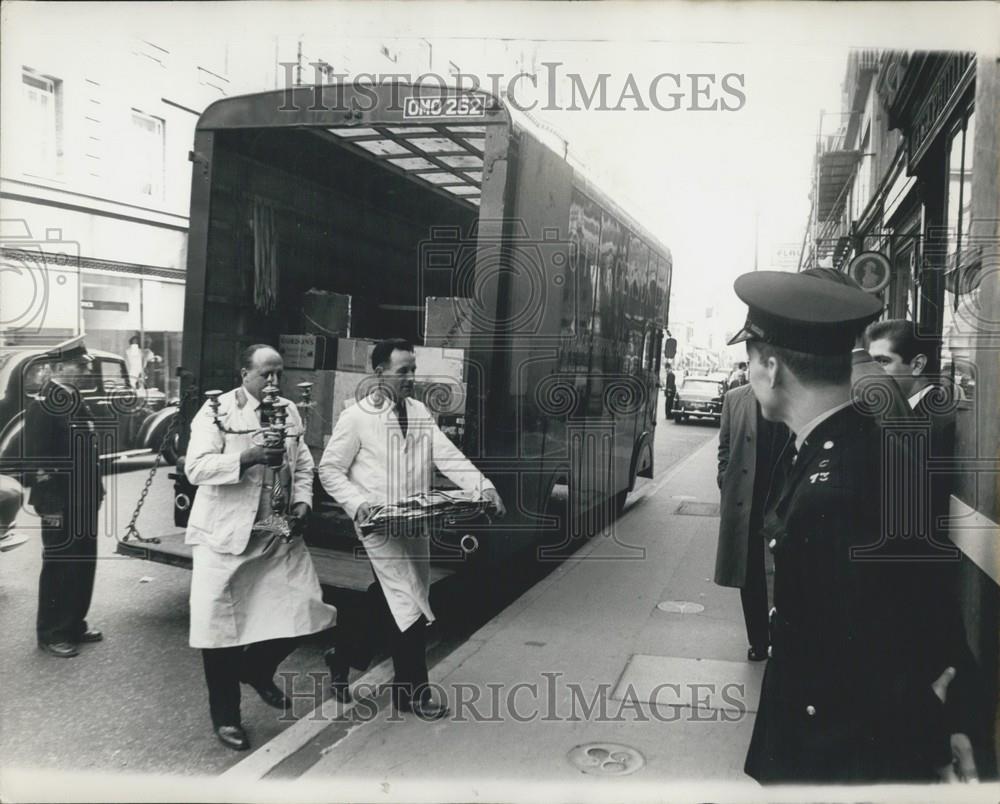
748 446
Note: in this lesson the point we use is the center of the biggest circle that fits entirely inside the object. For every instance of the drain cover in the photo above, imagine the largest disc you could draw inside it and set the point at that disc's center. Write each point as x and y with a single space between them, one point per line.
680 607
694 508
606 759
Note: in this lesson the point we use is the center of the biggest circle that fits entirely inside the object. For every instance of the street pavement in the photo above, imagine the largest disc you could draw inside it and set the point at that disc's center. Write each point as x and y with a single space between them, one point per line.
136 702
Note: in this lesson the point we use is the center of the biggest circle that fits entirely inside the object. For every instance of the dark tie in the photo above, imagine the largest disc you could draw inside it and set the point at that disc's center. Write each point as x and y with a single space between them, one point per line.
401 415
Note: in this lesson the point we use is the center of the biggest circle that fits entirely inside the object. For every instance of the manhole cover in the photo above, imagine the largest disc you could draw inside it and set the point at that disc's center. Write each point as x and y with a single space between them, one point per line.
606 759
694 508
680 607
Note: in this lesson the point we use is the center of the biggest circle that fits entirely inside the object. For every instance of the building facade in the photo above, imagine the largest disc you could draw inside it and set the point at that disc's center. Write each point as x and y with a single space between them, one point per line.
95 177
913 174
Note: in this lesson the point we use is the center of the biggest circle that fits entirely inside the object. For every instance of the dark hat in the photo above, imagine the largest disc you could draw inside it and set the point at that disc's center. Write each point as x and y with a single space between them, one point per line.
798 312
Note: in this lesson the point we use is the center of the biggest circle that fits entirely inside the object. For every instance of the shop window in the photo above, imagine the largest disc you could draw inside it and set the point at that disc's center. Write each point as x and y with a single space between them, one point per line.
40 148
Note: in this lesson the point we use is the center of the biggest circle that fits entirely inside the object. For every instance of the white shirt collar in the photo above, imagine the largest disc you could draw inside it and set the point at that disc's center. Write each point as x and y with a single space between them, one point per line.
915 399
804 432
254 401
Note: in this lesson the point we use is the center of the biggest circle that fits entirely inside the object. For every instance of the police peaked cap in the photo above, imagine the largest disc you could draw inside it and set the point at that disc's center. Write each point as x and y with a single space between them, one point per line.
72 349
802 312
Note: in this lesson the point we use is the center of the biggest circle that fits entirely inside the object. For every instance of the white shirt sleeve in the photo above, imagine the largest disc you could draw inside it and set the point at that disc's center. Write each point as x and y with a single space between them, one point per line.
454 465
339 455
206 464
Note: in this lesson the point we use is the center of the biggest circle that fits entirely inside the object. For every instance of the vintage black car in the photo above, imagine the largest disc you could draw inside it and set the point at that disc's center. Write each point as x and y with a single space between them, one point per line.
699 397
139 418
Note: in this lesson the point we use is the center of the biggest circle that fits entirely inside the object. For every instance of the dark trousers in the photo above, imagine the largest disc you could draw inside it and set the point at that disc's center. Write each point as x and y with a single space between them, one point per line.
363 630
66 583
225 668
753 594
668 403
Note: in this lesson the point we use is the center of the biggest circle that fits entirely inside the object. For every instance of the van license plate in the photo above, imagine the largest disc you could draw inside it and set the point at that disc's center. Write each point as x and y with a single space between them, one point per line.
444 106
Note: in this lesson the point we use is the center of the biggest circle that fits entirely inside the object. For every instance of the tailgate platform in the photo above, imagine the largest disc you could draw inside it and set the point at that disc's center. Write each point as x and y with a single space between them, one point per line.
340 569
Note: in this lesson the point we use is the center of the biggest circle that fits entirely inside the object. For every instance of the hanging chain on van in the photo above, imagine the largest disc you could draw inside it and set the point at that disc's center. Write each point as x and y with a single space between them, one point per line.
131 531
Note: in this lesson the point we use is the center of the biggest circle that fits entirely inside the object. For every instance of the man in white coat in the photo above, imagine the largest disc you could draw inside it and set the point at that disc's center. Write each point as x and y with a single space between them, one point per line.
252 595
384 448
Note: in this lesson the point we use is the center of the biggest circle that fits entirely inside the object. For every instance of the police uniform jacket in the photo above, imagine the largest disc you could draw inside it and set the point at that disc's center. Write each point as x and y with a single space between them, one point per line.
847 694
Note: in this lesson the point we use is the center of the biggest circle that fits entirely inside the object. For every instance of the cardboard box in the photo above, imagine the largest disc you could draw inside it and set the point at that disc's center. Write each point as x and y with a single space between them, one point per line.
315 352
303 351
446 398
352 354
326 313
331 391
436 363
448 322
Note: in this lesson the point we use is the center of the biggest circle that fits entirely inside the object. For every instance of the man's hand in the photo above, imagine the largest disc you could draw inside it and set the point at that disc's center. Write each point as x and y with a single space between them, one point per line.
364 511
963 761
299 512
263 455
940 686
493 498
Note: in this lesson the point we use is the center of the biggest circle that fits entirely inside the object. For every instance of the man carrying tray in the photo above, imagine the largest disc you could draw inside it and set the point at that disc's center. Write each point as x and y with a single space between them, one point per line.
383 449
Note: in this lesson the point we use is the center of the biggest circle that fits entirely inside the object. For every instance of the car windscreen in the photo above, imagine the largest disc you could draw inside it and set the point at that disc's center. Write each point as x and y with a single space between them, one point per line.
702 385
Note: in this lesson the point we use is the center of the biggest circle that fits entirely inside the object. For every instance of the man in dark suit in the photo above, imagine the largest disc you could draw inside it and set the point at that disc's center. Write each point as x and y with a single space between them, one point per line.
63 473
895 345
855 687
749 444
669 392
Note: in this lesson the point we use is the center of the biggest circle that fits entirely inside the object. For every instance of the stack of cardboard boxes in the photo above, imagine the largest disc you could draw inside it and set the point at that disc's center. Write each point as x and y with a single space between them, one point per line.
337 364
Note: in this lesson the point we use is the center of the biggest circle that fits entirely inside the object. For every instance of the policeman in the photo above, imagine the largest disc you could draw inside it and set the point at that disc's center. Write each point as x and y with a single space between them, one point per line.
854 690
62 470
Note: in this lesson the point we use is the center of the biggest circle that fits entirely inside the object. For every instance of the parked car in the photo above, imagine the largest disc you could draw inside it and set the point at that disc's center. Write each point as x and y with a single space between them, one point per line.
139 419
699 397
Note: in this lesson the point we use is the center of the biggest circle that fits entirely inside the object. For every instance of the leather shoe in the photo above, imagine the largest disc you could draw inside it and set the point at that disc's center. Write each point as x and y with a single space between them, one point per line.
232 737
91 635
424 708
271 695
64 650
756 654
339 676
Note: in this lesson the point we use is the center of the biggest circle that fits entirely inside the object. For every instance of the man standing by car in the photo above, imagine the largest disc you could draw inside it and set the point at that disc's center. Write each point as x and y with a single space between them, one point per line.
252 594
669 391
382 450
63 472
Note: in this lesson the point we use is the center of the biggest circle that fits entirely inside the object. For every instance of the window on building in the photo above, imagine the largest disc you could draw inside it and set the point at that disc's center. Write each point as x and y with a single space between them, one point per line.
962 265
41 126
147 155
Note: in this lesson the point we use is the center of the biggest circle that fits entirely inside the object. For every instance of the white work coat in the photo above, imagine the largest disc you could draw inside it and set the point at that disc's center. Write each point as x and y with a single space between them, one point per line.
246 588
368 460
